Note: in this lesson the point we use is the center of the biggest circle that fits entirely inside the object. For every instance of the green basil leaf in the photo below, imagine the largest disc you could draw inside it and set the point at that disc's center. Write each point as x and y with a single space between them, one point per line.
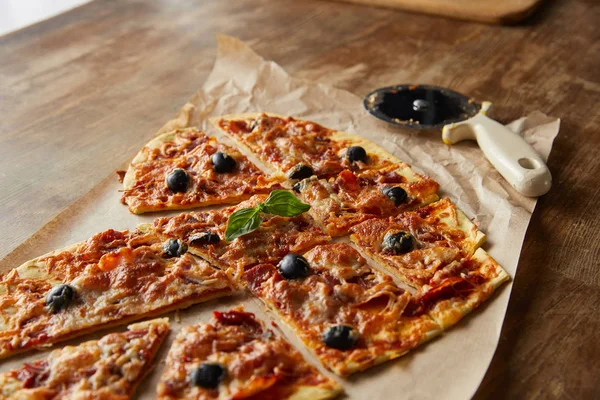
284 203
242 222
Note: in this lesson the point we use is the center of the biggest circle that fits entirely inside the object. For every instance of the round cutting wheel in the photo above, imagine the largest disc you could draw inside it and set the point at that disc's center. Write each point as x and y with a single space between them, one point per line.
420 106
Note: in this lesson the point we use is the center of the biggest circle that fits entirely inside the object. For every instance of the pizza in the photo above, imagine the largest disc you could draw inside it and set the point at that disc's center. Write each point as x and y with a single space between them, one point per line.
417 245
112 278
204 233
350 198
236 357
462 287
109 368
186 168
349 314
299 149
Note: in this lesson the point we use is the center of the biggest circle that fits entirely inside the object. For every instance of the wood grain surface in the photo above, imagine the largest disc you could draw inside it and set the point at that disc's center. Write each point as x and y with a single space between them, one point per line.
71 113
490 11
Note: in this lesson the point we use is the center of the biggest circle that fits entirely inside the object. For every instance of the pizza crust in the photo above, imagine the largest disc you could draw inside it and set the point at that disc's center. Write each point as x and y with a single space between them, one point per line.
145 189
25 322
448 312
111 367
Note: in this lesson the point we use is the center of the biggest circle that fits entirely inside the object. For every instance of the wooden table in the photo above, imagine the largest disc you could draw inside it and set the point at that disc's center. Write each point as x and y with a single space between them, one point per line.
71 111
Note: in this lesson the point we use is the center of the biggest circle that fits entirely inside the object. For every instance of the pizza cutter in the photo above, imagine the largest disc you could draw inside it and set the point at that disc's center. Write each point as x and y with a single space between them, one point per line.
459 117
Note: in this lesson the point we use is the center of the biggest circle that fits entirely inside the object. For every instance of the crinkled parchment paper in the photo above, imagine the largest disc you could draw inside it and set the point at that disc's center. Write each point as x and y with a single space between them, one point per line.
450 367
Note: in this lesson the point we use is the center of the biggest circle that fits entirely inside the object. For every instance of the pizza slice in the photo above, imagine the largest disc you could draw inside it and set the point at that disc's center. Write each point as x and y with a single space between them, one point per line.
350 315
351 198
416 245
109 368
204 233
459 289
299 149
236 357
186 168
112 278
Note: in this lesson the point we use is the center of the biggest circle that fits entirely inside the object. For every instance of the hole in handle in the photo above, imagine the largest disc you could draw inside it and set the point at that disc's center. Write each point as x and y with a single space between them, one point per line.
528 163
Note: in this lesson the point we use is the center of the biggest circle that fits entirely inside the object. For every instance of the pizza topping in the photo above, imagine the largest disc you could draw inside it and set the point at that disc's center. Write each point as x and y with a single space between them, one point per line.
397 243
300 171
246 220
356 153
59 297
178 180
174 248
297 187
235 317
222 162
341 337
236 357
395 194
293 266
204 238
208 375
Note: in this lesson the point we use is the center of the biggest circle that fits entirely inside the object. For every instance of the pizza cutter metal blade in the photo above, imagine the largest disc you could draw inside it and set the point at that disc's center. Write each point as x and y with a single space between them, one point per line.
459 117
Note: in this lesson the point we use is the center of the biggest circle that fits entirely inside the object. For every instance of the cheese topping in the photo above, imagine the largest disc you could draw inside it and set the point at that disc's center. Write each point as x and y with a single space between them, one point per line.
258 364
441 238
115 276
192 151
285 142
350 198
341 289
109 368
276 236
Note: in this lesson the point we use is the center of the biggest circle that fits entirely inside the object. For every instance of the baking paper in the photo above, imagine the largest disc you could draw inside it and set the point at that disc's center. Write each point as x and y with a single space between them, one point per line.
451 366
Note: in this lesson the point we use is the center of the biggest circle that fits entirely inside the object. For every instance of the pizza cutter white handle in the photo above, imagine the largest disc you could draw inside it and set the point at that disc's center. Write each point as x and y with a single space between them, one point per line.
508 152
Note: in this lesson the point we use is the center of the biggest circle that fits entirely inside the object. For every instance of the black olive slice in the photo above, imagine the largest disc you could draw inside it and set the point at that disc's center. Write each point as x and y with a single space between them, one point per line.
222 163
395 194
178 180
174 248
204 238
341 337
300 171
356 153
59 297
293 266
397 243
208 375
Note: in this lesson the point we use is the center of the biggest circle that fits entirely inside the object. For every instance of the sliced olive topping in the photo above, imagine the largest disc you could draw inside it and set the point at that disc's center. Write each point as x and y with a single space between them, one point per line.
222 163
59 297
208 375
293 266
356 153
204 238
395 194
297 187
300 171
341 337
178 180
174 248
397 243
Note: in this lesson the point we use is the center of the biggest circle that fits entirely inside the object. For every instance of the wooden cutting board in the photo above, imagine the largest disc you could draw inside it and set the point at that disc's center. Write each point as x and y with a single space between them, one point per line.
489 11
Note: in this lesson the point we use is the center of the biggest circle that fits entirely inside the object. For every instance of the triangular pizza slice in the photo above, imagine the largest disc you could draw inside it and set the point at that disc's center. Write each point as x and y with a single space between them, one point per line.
109 368
186 169
236 357
299 149
112 278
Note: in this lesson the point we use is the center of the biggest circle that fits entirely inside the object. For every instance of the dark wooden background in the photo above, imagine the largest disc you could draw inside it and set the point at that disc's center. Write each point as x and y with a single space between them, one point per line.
71 111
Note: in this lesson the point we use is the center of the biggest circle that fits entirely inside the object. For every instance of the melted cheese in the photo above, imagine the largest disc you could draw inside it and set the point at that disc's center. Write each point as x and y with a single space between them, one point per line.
341 289
275 237
192 150
116 276
107 368
257 362
351 198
